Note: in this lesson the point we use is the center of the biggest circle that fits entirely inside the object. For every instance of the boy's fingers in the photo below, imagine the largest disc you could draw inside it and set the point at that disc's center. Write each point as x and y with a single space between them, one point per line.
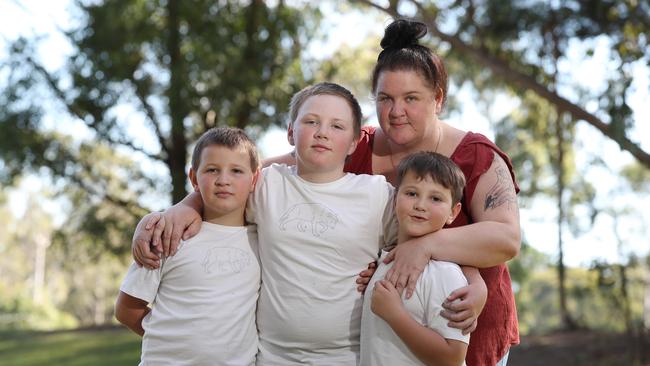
389 257
192 230
152 219
166 237
175 239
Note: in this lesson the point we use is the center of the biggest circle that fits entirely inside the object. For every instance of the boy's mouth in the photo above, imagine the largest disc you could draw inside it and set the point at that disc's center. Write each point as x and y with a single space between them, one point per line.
319 147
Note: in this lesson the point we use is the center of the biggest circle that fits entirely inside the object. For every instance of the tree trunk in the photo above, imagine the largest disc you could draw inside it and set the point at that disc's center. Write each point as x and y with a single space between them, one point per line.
177 109
567 321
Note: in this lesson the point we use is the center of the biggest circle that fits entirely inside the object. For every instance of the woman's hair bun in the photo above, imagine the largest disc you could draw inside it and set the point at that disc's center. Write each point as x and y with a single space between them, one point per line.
403 33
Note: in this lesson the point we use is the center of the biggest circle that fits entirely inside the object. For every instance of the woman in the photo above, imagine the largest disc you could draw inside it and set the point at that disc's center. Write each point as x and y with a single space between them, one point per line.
409 83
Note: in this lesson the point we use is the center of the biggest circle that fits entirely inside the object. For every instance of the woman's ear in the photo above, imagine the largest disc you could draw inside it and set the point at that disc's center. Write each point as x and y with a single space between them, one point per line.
438 100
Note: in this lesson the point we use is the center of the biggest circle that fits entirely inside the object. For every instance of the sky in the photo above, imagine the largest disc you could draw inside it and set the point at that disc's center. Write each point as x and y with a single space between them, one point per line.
46 19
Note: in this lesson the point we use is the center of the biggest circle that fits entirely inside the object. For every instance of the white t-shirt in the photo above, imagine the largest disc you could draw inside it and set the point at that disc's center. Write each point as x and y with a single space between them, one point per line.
203 300
379 343
314 241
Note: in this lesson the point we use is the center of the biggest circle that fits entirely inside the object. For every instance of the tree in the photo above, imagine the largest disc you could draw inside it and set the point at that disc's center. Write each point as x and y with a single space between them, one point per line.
169 69
509 40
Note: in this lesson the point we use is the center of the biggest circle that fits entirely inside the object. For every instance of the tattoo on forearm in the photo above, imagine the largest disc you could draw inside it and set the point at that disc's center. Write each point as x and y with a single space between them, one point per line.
502 192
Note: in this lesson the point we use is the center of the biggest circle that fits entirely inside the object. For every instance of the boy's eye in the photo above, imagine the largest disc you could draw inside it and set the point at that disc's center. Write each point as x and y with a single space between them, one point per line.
238 171
435 199
411 194
411 98
338 126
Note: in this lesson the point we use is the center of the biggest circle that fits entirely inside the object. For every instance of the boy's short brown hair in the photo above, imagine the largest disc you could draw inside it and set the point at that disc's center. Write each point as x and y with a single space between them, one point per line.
229 137
440 168
326 88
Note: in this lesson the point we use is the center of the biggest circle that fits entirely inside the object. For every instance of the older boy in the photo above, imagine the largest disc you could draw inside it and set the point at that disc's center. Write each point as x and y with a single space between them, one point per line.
410 331
204 298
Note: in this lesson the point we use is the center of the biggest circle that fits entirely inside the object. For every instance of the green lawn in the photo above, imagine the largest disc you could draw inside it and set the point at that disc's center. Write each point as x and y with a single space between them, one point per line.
96 347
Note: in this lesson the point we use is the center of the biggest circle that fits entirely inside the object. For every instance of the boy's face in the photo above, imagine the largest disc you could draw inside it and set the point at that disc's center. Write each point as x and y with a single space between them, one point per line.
224 179
323 134
422 206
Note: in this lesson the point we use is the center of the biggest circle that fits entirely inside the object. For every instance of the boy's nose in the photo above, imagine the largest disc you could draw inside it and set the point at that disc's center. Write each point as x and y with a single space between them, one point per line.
321 132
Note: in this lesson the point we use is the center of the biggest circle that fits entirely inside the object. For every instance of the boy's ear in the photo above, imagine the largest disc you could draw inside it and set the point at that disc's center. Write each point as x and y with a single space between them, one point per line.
290 134
454 212
256 176
193 180
353 146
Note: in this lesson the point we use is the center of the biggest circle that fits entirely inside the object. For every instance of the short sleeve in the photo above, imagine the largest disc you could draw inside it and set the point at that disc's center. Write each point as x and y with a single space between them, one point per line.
442 278
142 283
389 219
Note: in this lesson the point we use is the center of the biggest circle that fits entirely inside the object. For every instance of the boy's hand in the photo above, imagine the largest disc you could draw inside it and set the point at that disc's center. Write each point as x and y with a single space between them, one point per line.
410 259
143 248
180 222
365 276
463 306
386 301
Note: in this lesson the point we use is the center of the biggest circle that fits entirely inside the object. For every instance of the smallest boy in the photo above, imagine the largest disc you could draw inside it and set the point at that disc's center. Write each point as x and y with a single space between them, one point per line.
410 331
204 298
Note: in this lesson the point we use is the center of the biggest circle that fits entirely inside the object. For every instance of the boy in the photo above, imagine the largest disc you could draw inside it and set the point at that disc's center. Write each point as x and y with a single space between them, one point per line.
204 298
318 227
411 331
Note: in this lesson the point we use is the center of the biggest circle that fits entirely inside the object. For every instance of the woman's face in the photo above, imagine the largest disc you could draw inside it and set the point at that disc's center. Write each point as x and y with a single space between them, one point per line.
406 106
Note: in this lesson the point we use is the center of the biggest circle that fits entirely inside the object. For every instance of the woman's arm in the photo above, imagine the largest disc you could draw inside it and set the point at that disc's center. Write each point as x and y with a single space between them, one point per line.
426 344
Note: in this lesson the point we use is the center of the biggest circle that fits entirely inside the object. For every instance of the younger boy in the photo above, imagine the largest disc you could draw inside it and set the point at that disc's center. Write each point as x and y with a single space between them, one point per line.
396 331
204 298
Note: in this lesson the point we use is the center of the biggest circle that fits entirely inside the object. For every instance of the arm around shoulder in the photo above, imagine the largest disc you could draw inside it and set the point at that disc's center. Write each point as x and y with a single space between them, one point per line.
288 159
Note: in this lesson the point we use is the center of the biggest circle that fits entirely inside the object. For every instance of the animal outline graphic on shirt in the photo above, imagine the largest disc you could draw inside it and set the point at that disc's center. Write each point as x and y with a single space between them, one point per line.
225 260
310 216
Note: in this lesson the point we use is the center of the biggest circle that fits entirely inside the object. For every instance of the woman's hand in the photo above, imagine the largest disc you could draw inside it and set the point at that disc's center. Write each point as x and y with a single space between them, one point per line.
410 257
463 306
365 276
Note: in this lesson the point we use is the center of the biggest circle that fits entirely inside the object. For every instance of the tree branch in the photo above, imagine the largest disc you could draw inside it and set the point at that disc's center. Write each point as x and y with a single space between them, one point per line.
151 114
80 114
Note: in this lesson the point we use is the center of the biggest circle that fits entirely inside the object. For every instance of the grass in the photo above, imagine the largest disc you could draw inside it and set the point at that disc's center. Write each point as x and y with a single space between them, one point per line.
97 347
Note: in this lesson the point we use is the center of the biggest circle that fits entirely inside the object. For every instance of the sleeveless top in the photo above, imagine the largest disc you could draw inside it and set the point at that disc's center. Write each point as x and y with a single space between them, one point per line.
497 326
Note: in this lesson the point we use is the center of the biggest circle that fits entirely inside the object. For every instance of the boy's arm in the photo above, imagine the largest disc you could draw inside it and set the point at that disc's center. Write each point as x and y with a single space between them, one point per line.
130 311
426 344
